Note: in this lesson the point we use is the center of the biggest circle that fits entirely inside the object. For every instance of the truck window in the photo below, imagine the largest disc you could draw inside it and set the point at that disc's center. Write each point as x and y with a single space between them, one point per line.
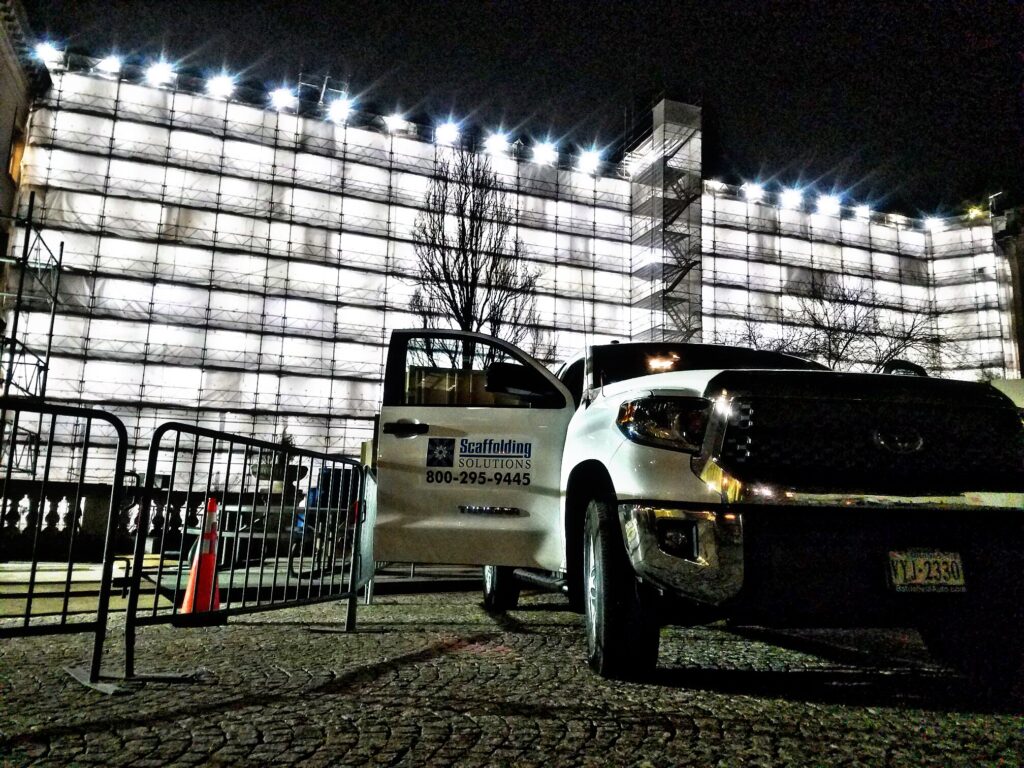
454 372
572 377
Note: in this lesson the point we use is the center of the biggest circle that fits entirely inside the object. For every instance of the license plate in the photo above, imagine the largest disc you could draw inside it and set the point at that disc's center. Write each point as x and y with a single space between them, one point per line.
926 571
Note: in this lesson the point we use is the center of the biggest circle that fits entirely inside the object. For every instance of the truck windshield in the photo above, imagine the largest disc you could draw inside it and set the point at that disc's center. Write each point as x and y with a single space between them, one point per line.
617 362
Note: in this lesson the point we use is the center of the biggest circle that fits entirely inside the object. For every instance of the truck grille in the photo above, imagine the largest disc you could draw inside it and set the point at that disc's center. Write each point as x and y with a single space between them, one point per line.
844 445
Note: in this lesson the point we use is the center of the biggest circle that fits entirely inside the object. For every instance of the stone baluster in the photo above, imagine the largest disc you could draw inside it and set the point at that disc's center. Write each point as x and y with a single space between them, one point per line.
29 522
127 512
52 542
156 525
9 518
172 527
192 511
191 508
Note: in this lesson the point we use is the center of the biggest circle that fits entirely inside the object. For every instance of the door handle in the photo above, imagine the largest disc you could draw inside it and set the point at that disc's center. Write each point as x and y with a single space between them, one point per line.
405 428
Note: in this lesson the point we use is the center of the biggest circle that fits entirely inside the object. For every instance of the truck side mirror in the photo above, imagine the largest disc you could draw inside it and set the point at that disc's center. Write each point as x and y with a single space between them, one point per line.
520 381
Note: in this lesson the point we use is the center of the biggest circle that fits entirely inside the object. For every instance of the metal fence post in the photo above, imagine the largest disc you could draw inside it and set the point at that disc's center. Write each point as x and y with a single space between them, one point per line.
108 552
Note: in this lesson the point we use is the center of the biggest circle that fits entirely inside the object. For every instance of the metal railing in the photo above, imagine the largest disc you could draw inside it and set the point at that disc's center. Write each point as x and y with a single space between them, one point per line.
289 525
59 519
241 525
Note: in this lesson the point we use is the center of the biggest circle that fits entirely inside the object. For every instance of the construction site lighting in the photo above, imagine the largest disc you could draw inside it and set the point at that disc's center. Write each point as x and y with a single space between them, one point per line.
257 284
282 98
589 161
975 212
496 144
394 122
934 224
446 133
752 192
159 73
791 198
339 110
862 211
829 205
48 53
220 86
545 153
109 65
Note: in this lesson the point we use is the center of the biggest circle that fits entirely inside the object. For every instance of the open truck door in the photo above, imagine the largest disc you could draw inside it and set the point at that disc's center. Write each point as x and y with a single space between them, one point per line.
469 453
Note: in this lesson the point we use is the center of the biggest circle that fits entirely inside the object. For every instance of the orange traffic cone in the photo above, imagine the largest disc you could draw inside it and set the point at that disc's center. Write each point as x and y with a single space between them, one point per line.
203 592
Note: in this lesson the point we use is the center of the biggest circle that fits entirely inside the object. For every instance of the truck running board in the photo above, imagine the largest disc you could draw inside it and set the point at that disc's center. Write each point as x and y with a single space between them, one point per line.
542 580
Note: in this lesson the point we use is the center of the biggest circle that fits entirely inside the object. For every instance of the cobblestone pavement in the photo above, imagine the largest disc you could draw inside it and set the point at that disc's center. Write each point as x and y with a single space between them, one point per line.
433 680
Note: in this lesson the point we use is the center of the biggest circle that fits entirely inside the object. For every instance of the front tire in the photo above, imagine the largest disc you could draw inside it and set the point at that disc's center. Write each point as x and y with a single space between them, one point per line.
501 590
620 619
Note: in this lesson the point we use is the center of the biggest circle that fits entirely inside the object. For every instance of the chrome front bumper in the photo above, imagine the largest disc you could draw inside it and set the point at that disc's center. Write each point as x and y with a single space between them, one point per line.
807 559
710 572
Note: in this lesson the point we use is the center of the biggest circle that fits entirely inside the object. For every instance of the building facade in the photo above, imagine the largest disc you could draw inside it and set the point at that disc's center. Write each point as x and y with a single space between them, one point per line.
16 76
241 267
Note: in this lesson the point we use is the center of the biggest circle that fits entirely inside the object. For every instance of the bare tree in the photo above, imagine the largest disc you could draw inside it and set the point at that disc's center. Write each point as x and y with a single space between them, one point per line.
837 320
472 270
910 335
789 340
842 327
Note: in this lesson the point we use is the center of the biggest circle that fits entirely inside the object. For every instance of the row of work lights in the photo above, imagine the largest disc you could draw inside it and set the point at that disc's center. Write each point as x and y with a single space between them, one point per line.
342 109
793 198
223 86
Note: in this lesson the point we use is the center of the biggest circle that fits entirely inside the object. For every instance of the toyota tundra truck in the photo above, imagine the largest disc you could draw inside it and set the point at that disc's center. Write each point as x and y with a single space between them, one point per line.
679 483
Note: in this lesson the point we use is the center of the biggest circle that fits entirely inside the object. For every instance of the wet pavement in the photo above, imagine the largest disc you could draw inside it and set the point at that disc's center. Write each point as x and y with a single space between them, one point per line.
431 679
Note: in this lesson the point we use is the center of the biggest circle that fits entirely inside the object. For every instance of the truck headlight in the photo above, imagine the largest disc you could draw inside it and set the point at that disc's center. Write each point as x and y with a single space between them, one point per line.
676 423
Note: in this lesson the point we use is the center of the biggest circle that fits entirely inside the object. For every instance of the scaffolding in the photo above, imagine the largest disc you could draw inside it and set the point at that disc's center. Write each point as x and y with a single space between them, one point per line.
29 286
240 268
709 264
760 258
666 191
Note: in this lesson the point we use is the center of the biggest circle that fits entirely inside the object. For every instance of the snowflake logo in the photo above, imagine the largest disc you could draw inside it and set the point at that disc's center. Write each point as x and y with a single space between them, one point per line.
441 452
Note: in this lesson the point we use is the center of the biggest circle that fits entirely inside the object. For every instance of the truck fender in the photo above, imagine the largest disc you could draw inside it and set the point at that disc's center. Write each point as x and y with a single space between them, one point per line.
587 480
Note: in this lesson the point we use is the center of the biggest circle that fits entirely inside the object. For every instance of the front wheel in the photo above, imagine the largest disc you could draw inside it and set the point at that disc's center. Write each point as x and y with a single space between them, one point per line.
501 590
620 618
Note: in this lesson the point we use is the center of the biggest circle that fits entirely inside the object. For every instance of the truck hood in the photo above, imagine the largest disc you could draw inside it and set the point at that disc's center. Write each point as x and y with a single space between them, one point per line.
808 385
689 383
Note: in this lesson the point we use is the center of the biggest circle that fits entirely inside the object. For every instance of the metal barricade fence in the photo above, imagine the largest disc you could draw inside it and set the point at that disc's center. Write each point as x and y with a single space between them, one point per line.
230 525
63 517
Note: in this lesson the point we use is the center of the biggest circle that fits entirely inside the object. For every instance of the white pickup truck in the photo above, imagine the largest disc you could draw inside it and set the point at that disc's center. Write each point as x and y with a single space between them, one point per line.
682 483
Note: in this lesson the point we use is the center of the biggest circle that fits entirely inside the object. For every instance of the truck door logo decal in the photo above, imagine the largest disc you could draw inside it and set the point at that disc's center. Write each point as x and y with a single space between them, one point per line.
441 452
494 453
484 461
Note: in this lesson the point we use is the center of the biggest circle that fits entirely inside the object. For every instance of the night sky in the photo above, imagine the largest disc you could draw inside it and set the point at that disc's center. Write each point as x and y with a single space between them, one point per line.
909 106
